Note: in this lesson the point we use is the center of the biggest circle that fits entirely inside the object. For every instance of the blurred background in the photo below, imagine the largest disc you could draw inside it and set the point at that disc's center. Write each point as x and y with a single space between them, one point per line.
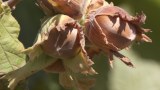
145 56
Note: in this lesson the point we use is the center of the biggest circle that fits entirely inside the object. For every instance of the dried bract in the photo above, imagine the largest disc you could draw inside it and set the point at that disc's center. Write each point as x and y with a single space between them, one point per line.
95 4
62 38
112 29
68 7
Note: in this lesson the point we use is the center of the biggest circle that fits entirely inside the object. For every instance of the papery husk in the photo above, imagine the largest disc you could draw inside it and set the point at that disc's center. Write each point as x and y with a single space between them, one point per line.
137 20
95 4
80 64
68 46
113 12
61 37
71 8
112 29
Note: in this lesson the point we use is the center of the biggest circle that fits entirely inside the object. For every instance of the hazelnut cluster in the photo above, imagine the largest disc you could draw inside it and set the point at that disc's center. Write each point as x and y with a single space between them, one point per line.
76 30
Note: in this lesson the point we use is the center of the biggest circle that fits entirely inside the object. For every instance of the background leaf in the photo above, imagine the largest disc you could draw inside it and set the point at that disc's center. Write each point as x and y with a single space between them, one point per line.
10 47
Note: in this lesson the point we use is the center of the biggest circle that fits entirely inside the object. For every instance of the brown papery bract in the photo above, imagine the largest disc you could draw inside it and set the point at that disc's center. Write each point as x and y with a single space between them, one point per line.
71 8
64 40
112 29
61 39
108 28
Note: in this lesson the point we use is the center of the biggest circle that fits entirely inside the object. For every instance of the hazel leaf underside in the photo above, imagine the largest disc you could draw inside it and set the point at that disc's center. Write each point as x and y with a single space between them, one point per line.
11 57
32 66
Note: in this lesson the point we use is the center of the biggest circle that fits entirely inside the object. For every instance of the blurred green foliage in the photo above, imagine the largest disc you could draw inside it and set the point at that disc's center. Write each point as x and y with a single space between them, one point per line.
145 56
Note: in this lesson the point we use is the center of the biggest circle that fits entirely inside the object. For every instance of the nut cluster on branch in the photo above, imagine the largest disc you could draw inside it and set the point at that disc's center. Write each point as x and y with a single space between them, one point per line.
83 28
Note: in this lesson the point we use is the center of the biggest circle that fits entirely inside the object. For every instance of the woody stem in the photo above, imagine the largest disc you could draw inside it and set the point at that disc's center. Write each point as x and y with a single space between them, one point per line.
13 3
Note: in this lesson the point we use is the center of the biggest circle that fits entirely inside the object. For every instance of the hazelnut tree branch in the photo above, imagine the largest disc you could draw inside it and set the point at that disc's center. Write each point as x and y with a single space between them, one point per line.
13 3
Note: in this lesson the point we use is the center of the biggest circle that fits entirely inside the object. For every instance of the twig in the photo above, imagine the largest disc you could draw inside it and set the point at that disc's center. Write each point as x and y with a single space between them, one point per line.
13 3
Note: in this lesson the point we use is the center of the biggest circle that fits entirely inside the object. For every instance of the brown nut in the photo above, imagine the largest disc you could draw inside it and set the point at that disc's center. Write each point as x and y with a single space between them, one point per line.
112 29
61 39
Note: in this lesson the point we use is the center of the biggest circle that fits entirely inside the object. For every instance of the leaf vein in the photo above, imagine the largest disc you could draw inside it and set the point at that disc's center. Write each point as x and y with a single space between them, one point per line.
6 56
8 31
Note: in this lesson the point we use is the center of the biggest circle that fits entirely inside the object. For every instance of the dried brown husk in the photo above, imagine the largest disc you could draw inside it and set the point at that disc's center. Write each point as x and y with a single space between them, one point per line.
60 42
71 8
61 37
112 29
95 4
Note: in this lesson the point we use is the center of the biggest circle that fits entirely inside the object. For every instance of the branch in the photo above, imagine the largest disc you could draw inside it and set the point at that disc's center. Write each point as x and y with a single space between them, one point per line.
13 3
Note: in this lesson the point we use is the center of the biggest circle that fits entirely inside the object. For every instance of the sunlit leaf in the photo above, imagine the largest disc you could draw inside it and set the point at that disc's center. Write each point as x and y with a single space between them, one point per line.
30 68
11 57
37 61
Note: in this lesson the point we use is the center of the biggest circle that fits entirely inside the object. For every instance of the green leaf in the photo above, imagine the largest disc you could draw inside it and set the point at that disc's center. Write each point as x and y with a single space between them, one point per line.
37 61
11 57
32 66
